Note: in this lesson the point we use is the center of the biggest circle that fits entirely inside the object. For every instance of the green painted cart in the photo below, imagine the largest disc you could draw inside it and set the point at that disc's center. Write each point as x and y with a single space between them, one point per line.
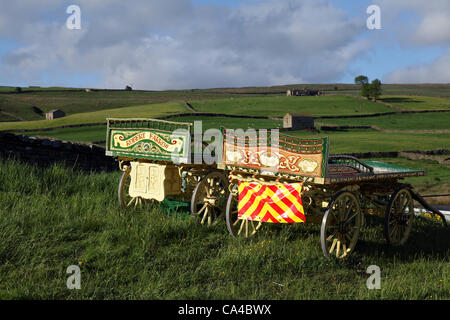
155 157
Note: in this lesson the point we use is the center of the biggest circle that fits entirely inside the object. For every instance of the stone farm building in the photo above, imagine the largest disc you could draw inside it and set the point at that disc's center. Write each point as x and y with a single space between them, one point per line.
303 92
55 113
298 121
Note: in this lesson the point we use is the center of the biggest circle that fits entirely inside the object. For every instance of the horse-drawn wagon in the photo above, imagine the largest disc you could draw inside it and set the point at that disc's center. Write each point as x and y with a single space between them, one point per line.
275 178
155 157
296 180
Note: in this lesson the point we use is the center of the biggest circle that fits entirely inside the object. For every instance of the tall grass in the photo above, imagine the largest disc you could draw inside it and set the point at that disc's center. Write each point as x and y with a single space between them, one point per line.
53 218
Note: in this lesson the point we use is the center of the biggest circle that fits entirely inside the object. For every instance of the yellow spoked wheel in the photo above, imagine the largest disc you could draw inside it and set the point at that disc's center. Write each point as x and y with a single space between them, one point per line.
239 227
399 217
209 197
341 225
125 200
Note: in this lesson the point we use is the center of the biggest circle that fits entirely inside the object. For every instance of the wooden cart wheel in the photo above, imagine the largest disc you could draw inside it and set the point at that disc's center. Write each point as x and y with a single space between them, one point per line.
208 198
125 200
399 217
239 227
341 225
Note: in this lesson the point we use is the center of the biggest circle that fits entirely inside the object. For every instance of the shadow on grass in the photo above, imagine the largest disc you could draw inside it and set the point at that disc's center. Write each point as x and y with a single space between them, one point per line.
399 100
427 239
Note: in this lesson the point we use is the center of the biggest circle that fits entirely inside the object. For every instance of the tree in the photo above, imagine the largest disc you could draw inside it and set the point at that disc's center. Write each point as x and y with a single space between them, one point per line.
365 90
375 89
361 80
128 88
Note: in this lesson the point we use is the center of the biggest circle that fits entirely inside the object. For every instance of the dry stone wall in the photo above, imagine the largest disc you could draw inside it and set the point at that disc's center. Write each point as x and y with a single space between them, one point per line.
45 152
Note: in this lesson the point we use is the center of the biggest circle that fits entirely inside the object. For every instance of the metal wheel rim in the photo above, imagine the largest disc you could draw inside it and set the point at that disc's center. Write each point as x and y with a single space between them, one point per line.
341 225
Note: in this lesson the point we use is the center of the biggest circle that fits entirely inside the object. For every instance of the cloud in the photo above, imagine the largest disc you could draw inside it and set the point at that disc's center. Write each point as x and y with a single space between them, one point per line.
437 71
432 20
172 44
419 24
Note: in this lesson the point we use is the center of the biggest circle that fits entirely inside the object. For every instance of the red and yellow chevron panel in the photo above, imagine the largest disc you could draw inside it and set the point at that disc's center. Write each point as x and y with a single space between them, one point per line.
277 203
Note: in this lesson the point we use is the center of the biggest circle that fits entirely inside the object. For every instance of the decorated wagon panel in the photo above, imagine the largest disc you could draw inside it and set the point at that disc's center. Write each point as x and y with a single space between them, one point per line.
287 156
148 139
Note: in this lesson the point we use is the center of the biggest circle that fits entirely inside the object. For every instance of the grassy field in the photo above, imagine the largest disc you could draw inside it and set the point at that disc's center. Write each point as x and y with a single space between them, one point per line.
418 121
348 141
232 123
340 142
51 219
144 111
417 102
74 101
265 106
279 106
4 118
373 141
431 90
77 134
56 217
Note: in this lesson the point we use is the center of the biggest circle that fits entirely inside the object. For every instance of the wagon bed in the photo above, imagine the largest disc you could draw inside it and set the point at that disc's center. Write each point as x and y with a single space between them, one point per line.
349 169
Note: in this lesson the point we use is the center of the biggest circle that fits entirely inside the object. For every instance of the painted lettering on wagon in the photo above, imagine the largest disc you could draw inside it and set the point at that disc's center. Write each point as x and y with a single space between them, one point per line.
149 136
135 139
119 141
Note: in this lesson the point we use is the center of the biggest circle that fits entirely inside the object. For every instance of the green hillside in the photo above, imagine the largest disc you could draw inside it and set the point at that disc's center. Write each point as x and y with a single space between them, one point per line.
418 121
279 106
73 101
144 111
417 102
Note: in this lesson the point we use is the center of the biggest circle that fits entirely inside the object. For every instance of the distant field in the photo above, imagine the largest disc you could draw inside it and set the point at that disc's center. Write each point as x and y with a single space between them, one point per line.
77 134
371 140
417 102
145 111
76 100
97 133
419 121
340 142
73 101
279 106
432 90
232 123
4 117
